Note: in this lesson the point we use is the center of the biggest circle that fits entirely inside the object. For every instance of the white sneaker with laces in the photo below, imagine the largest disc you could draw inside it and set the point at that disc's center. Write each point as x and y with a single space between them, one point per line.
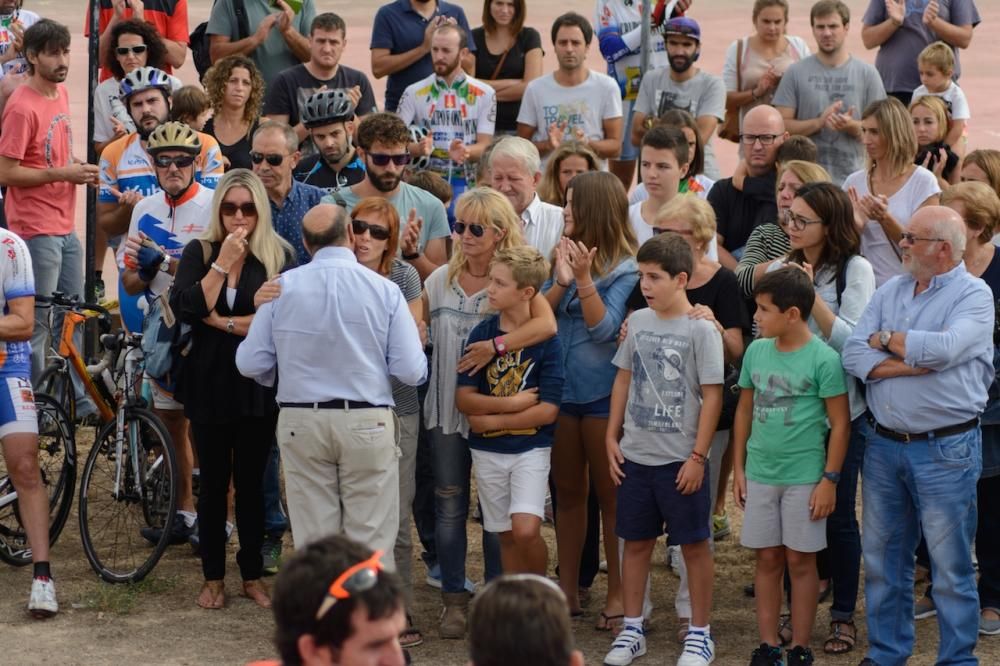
42 603
629 644
699 650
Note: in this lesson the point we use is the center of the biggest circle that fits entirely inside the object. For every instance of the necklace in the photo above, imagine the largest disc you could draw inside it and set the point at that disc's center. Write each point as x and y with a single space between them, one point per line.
471 274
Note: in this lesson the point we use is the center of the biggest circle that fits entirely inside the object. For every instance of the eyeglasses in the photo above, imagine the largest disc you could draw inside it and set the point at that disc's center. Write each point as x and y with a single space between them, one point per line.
765 139
911 239
477 229
272 158
797 222
356 579
683 232
377 231
138 49
381 159
229 209
179 161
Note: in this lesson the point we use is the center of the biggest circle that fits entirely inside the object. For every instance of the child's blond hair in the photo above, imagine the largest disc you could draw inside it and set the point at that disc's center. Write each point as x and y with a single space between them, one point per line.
938 55
527 265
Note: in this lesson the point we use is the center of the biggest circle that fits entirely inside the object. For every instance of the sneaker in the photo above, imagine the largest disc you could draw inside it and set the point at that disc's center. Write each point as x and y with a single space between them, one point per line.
799 655
766 655
988 627
180 533
195 540
699 650
271 552
720 526
631 643
924 608
674 559
42 603
434 580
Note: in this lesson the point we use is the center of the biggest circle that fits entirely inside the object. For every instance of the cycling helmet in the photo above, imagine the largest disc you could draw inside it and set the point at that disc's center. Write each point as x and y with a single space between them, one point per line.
143 78
417 134
173 136
326 107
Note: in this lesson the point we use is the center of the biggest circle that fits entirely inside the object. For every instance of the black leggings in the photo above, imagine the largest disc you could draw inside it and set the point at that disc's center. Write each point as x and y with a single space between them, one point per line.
237 450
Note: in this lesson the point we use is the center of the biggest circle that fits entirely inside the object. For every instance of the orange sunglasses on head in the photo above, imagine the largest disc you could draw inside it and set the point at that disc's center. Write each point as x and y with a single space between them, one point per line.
359 578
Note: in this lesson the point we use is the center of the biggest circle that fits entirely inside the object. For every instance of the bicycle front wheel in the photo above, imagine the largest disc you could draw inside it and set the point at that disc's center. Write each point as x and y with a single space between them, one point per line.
125 488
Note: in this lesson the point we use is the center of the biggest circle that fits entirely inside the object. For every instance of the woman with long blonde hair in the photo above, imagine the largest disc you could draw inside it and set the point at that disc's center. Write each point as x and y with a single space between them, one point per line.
232 417
455 300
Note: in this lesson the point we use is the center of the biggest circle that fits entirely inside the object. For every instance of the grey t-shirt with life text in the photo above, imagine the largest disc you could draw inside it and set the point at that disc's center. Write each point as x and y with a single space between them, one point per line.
809 86
670 360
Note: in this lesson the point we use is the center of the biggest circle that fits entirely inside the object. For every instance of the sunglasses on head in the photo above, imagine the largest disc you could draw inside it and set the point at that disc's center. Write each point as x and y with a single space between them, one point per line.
381 159
229 209
377 231
477 229
179 161
125 50
272 158
356 579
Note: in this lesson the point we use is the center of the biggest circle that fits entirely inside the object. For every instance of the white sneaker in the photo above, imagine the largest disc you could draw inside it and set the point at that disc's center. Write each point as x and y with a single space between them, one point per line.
42 603
629 644
699 650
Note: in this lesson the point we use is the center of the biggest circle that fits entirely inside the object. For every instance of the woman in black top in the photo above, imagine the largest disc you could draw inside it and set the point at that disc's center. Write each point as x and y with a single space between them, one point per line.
508 56
232 417
236 88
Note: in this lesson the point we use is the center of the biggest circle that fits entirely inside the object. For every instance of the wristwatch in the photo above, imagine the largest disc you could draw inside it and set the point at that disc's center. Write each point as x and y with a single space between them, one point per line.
884 337
165 265
411 257
230 326
832 477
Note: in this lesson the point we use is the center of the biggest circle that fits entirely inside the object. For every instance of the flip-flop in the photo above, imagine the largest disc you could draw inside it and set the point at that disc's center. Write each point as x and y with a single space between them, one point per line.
607 622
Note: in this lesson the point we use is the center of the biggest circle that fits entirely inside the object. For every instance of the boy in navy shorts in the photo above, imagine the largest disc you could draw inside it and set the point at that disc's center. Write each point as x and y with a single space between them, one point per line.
667 396
793 383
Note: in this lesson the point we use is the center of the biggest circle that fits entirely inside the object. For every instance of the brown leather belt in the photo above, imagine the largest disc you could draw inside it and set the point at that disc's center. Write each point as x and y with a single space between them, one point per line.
906 437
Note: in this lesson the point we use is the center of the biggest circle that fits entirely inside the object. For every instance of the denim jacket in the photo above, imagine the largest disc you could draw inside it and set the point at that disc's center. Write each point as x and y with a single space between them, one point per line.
587 351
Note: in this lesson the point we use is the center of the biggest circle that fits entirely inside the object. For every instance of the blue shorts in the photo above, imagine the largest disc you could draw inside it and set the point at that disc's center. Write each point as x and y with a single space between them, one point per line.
648 498
598 409
17 407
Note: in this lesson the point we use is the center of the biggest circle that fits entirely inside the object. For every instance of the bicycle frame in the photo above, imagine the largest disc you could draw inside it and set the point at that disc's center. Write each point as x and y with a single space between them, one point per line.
69 352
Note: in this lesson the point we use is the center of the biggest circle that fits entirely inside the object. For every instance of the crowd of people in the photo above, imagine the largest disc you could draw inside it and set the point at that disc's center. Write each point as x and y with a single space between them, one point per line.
543 282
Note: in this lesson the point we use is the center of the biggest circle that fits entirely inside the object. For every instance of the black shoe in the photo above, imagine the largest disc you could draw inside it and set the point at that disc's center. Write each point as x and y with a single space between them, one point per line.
868 661
766 655
799 655
179 534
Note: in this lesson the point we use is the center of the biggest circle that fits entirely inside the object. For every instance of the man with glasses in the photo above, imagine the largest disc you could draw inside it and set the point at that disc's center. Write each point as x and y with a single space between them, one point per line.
383 141
275 153
822 96
924 348
161 225
747 200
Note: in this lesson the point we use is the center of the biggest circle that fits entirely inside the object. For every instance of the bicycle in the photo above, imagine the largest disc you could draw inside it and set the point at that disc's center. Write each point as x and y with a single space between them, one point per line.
57 462
129 479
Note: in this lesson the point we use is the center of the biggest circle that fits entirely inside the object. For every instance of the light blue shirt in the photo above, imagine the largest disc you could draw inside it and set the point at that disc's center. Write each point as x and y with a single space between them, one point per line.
338 331
949 329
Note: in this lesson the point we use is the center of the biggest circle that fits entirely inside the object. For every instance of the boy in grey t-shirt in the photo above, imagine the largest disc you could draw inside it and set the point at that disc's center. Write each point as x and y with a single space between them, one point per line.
668 396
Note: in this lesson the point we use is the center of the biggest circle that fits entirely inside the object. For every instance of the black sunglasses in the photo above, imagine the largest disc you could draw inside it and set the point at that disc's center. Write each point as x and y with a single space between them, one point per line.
229 209
477 229
381 159
660 230
179 161
377 231
272 158
125 50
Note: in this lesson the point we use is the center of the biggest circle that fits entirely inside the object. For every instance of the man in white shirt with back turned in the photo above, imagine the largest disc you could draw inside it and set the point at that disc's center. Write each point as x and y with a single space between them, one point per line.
336 332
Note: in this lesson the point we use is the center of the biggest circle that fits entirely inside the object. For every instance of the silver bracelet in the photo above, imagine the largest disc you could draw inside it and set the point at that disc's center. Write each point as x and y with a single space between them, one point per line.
219 269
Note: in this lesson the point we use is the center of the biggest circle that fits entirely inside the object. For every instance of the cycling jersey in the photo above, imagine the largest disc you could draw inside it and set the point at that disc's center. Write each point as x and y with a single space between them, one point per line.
172 225
125 165
462 110
625 15
18 281
314 170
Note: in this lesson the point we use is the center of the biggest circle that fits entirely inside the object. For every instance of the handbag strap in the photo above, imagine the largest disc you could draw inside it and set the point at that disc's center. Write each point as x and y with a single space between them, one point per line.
503 59
739 64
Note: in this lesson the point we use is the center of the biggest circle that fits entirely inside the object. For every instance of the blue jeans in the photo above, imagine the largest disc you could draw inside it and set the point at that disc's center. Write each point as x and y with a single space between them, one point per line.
452 470
275 520
842 535
926 486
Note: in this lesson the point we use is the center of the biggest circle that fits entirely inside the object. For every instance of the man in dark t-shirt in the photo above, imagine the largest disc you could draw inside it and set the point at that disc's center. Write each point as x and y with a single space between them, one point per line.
328 116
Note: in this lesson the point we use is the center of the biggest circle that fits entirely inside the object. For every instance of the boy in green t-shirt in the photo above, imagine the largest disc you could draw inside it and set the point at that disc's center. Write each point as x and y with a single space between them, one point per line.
792 385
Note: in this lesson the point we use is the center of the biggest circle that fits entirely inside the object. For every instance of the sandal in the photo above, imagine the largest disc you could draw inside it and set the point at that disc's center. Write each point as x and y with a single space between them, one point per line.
257 592
607 622
212 595
410 637
843 635
785 629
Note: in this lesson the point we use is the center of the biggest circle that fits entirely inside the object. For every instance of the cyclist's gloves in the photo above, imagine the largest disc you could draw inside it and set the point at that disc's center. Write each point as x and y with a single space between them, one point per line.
149 260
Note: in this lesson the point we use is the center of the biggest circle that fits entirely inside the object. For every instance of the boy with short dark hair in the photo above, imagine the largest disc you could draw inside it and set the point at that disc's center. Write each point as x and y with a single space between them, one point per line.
792 385
668 396
512 405
663 162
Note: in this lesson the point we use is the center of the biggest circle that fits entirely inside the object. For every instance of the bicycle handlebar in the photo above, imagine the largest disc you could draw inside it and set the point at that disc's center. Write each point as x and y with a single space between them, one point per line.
60 300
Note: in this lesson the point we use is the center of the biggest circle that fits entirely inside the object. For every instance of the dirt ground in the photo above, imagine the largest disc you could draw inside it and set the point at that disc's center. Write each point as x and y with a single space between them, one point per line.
157 621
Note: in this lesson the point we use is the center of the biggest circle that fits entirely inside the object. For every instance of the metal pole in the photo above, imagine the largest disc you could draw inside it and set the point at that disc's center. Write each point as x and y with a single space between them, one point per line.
646 14
90 240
